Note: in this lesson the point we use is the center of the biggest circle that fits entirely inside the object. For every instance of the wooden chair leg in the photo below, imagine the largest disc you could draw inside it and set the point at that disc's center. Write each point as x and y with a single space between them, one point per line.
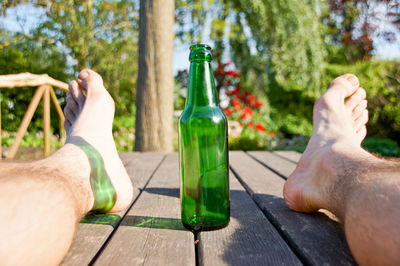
26 120
46 121
60 113
1 154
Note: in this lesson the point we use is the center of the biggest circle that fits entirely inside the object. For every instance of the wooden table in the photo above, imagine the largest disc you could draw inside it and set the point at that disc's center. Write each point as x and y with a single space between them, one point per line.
262 230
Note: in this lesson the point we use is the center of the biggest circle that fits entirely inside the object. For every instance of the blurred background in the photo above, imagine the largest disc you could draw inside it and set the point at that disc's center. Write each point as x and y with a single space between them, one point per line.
272 60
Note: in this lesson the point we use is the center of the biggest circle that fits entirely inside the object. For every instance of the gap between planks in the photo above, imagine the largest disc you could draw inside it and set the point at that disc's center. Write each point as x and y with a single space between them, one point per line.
126 211
335 249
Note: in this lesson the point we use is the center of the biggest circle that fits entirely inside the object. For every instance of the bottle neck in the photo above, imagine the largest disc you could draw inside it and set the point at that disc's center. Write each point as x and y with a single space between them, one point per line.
201 88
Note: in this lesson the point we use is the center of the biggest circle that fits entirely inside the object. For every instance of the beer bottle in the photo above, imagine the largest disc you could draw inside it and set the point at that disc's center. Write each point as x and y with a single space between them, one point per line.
203 149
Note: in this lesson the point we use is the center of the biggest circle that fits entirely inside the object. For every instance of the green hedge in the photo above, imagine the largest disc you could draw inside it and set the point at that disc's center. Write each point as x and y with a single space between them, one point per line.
381 80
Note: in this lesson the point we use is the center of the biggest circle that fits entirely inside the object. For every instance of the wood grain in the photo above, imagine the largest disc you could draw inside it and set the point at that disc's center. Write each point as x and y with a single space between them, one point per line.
91 236
315 238
249 239
152 233
293 156
274 162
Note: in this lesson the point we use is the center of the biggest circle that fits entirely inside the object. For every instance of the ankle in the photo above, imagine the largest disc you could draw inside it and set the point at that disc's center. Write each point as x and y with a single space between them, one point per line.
71 166
344 167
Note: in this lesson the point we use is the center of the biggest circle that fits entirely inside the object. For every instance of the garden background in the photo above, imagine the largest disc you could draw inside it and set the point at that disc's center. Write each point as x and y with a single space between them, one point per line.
272 60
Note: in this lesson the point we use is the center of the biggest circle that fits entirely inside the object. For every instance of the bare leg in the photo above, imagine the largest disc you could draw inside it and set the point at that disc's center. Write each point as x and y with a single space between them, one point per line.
336 174
42 202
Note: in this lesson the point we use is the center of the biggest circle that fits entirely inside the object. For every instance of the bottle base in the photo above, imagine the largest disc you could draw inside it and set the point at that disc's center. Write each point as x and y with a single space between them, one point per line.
204 227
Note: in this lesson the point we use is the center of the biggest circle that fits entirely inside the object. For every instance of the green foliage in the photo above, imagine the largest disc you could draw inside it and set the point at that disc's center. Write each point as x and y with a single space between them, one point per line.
30 140
29 56
287 36
180 89
381 81
244 143
124 132
382 146
102 35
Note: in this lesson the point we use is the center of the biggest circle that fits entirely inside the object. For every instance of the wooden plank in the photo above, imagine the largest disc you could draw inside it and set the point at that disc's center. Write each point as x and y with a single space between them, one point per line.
91 235
274 162
315 238
293 156
249 239
152 233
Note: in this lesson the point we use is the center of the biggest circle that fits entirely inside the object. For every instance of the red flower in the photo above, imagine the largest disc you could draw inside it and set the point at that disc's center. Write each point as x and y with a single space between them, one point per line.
271 134
232 73
228 112
235 102
227 83
250 124
241 124
220 70
244 115
248 110
260 127
236 91
259 104
244 95
237 108
228 63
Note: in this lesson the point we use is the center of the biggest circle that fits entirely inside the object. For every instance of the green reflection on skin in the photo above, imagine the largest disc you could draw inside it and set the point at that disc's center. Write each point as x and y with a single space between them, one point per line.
103 191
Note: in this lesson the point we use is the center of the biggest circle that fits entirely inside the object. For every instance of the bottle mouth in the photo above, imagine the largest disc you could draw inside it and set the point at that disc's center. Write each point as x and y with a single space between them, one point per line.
200 52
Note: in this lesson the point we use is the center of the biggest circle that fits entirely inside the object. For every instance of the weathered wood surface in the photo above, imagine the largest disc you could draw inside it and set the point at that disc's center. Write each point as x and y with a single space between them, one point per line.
316 239
274 162
151 233
32 80
262 231
249 239
290 155
91 236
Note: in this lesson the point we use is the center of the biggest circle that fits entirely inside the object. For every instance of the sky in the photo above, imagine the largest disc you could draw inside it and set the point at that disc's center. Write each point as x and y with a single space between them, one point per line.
26 17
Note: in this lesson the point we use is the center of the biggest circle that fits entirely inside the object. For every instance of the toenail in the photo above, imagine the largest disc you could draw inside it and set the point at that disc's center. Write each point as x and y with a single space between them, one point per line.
84 74
353 80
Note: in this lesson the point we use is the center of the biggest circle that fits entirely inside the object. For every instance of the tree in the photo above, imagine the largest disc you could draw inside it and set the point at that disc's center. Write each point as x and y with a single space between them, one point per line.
353 24
98 34
28 56
154 100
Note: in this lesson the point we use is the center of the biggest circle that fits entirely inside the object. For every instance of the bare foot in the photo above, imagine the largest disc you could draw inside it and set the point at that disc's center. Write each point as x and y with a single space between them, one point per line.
90 118
340 116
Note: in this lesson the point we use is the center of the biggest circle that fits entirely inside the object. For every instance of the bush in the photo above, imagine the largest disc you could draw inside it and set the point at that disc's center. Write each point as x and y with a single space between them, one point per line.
382 146
381 80
124 132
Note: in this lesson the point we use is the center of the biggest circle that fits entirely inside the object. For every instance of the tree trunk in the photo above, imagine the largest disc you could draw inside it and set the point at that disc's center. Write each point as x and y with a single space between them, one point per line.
154 99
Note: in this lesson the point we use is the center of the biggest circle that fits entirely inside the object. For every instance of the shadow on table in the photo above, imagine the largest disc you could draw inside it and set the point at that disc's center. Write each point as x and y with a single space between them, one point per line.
315 238
171 192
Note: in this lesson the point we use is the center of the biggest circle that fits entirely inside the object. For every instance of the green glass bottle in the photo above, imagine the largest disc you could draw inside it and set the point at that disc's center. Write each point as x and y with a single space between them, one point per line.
203 149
